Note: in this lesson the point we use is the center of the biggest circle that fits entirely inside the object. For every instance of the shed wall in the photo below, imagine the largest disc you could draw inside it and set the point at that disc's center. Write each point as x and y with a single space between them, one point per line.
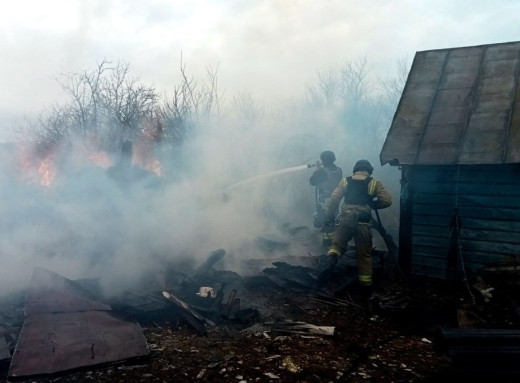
485 198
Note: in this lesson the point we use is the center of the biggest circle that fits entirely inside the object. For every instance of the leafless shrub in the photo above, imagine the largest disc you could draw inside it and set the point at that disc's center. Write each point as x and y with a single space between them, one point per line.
191 104
107 106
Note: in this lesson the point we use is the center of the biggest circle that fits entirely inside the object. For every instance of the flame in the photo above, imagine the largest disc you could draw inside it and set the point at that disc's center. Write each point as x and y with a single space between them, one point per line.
143 154
101 159
32 169
47 171
154 165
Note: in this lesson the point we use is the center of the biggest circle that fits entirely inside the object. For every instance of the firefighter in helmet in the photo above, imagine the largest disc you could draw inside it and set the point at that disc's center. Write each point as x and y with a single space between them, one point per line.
325 178
360 193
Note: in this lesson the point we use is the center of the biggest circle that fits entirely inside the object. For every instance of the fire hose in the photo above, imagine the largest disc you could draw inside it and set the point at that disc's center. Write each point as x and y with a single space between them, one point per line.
390 244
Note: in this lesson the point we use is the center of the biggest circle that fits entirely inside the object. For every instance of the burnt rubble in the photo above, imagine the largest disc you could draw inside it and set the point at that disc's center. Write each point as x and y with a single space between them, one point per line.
210 324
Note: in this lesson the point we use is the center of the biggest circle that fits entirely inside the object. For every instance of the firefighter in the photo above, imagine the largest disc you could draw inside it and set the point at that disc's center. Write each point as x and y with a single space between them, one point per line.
325 178
360 193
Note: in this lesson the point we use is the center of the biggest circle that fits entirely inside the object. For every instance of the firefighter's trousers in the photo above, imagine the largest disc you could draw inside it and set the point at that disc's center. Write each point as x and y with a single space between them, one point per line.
351 225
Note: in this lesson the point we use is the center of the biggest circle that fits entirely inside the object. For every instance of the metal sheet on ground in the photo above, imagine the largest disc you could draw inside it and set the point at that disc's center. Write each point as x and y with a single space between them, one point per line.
50 292
55 342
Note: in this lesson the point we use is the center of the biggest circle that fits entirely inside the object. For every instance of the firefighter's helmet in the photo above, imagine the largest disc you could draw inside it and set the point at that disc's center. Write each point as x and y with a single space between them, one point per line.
363 165
327 157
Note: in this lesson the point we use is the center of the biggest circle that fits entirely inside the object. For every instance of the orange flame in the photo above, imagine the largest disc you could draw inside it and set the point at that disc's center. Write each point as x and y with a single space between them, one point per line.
47 171
154 165
100 159
33 170
143 155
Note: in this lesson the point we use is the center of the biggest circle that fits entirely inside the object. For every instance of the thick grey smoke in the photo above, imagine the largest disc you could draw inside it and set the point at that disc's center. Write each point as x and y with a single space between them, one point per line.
230 188
90 223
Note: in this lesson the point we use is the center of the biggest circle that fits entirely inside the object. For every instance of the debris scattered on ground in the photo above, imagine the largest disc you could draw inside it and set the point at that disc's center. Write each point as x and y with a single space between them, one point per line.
279 325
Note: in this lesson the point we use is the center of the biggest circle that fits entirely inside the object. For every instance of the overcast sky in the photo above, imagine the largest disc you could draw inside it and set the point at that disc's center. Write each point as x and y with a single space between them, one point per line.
271 49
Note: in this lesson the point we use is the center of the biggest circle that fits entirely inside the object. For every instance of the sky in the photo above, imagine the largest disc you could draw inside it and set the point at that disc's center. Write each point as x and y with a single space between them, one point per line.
270 49
85 225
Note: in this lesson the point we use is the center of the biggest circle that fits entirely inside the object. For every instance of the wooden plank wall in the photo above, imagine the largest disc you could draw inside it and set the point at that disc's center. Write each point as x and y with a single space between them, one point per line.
487 198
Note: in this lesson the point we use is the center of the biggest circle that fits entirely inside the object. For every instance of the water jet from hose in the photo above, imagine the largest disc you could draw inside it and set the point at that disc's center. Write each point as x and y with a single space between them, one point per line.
269 175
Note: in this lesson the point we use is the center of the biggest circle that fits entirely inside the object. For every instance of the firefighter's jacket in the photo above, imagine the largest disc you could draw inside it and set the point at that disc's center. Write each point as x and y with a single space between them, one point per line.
325 179
375 189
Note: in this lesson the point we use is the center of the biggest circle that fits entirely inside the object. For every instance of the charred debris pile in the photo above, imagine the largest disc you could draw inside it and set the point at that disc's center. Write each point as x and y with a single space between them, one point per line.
59 326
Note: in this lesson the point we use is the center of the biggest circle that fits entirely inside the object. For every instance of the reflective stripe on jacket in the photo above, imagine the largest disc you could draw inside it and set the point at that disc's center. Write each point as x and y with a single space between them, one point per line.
376 189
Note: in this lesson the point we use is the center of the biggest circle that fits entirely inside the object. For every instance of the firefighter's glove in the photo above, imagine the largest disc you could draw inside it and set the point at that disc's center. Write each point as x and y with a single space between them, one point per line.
329 223
373 204
319 220
333 259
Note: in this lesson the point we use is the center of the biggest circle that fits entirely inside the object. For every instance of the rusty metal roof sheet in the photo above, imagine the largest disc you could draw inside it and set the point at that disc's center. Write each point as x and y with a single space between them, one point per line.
51 293
66 328
459 106
55 342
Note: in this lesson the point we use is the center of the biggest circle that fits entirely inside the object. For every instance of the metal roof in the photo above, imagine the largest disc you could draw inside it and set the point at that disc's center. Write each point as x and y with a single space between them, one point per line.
459 106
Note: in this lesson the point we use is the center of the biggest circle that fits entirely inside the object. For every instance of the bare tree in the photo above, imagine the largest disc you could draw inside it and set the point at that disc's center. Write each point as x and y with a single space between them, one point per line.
248 110
127 102
359 106
104 102
192 104
84 89
327 89
392 87
354 82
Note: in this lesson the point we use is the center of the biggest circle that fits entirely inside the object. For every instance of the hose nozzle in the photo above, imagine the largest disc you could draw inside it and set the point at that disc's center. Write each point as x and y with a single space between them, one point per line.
317 164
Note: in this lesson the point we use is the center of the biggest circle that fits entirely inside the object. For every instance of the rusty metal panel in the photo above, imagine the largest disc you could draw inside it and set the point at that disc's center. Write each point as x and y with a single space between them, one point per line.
465 52
499 85
499 68
429 154
512 154
487 121
50 292
483 146
457 80
453 97
420 105
476 94
55 342
429 63
448 115
406 141
489 103
66 328
506 51
462 64
443 134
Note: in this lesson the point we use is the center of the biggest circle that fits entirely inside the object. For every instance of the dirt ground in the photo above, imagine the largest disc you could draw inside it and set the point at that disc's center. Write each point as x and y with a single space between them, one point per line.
364 348
368 345
390 338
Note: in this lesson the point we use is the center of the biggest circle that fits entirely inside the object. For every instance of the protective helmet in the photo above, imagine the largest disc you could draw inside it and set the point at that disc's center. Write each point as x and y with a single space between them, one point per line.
327 157
363 165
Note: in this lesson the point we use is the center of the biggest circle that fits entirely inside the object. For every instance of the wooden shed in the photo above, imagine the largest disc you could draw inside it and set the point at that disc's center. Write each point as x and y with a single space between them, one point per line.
456 138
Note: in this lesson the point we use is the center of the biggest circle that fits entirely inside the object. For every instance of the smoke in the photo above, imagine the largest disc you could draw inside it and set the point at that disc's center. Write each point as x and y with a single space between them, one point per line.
239 179
93 222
